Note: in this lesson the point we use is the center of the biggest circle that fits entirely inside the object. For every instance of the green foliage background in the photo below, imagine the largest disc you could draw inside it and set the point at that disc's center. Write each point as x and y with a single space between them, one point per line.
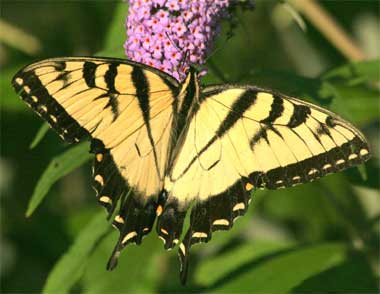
318 237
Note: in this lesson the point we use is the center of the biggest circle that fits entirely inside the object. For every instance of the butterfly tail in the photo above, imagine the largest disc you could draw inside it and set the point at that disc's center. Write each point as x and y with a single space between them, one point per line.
184 256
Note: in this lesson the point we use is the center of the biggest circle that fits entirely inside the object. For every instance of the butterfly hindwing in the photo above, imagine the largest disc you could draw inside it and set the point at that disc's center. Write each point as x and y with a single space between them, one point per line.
217 213
107 180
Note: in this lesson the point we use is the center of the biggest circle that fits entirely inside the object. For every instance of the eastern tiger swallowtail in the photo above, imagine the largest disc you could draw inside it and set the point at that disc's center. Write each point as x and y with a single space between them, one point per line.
161 146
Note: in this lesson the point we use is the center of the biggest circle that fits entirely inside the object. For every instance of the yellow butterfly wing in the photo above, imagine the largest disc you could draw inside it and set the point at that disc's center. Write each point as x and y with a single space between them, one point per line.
126 109
241 138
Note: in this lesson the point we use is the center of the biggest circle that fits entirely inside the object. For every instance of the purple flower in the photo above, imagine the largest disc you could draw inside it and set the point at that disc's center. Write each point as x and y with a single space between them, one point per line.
172 5
170 35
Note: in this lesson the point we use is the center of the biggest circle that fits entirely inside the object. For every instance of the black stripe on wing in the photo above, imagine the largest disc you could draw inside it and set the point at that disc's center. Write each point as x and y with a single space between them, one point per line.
134 221
141 84
238 108
108 182
277 109
170 221
28 84
348 154
214 214
339 158
135 218
89 69
300 114
242 103
33 92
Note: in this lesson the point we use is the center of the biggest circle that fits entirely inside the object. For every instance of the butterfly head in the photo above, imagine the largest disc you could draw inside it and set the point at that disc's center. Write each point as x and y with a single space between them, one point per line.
191 82
192 75
193 71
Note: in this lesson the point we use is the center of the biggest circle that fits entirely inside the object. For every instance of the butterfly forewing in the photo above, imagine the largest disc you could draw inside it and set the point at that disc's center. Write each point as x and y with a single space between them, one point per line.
126 109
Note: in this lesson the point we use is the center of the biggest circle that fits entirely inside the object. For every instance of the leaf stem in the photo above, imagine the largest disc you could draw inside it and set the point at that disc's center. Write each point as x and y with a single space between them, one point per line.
326 24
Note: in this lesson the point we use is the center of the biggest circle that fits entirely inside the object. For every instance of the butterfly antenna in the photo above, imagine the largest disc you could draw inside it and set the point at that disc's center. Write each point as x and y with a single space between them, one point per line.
175 45
179 50
183 60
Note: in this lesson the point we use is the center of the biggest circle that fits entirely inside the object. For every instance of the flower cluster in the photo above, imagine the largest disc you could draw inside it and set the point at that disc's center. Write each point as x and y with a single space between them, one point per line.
170 35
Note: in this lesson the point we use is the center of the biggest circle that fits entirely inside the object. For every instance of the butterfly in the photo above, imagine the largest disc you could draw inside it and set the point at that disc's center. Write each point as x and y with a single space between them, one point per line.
163 147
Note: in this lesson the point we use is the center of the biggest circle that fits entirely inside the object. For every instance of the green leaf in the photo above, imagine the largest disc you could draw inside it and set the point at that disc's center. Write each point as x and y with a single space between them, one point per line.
359 71
288 83
363 172
279 272
116 36
348 206
42 131
352 276
9 99
69 269
210 272
371 176
60 166
138 271
358 104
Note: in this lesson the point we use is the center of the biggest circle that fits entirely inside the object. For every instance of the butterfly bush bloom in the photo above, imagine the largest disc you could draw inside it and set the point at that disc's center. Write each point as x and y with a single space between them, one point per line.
170 35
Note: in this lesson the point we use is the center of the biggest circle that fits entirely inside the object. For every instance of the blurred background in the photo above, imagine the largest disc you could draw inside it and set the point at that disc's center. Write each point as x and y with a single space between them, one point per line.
322 236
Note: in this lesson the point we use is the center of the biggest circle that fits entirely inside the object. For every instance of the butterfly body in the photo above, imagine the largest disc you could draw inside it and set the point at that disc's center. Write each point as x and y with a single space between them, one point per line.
161 146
